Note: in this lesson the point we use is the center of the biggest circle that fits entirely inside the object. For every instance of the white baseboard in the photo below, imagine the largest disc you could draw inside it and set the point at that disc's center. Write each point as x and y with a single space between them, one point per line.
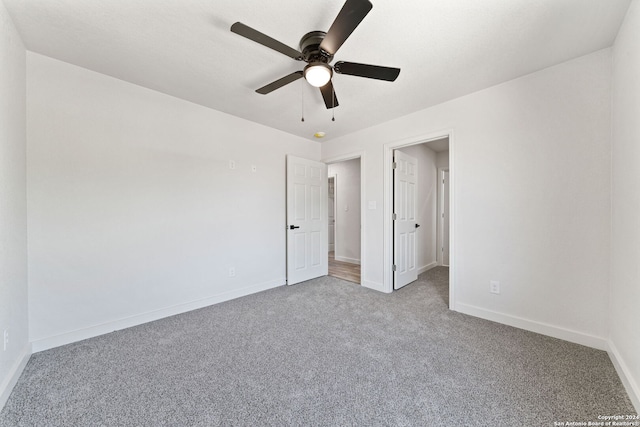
427 267
373 285
16 370
534 326
632 387
138 319
349 260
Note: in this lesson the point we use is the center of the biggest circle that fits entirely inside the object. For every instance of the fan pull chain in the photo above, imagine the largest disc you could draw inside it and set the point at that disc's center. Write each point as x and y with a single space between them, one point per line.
302 105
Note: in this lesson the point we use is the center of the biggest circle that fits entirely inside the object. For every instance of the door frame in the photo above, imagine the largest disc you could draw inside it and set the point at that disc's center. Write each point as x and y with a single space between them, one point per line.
335 210
388 207
350 156
440 224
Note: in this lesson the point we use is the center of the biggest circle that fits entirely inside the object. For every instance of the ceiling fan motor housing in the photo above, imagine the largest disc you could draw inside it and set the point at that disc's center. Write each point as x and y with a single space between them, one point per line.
310 47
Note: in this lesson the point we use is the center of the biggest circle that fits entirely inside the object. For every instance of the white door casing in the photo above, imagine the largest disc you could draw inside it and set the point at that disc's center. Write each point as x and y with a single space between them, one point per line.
405 176
306 219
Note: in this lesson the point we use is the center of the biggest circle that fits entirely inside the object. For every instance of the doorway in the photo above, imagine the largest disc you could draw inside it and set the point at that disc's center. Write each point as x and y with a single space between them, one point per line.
432 154
344 235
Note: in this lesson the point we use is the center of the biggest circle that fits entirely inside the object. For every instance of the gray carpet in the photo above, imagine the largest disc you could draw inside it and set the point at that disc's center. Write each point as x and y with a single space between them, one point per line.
324 352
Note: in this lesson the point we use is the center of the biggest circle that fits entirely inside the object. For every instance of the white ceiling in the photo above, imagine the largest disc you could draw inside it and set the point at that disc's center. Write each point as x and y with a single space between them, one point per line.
445 48
439 145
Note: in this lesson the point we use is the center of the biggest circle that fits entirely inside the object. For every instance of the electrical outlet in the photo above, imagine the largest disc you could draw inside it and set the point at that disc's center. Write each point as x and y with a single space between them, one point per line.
5 339
232 164
254 168
232 272
494 287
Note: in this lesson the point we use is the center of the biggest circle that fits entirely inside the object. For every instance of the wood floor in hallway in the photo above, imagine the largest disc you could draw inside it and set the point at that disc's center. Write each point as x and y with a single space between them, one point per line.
343 270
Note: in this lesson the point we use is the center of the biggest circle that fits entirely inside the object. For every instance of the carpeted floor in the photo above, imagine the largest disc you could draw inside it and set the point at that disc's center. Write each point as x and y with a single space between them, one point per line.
324 352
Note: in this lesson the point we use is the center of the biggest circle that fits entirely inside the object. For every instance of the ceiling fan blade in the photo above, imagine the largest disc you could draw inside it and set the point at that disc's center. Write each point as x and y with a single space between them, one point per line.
279 83
329 95
350 16
265 40
364 70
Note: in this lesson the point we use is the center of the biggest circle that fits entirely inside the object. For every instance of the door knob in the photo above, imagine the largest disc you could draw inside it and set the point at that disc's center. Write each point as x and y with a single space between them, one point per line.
417 225
293 227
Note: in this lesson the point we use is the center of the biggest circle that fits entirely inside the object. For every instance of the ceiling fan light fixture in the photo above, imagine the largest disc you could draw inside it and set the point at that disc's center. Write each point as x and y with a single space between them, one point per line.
318 74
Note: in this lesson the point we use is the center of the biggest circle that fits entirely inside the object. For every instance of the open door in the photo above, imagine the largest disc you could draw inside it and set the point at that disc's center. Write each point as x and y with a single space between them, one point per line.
307 220
405 176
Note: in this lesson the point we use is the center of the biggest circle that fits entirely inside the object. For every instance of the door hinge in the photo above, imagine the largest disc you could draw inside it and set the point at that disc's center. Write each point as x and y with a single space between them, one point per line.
394 267
394 165
394 217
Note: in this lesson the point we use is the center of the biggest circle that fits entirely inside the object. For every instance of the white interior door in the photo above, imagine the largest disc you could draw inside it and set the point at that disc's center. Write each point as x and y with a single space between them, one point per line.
306 219
445 217
405 175
332 213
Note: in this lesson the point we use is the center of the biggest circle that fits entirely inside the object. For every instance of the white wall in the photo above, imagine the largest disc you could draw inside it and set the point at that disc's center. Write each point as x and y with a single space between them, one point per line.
133 211
13 203
347 199
531 171
442 160
624 308
427 205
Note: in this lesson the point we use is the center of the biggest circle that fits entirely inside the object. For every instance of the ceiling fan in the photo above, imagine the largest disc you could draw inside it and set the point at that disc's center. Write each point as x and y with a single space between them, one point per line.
317 49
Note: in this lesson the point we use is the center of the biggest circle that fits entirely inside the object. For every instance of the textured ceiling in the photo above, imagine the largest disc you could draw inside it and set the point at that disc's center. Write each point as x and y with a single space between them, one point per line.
445 49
